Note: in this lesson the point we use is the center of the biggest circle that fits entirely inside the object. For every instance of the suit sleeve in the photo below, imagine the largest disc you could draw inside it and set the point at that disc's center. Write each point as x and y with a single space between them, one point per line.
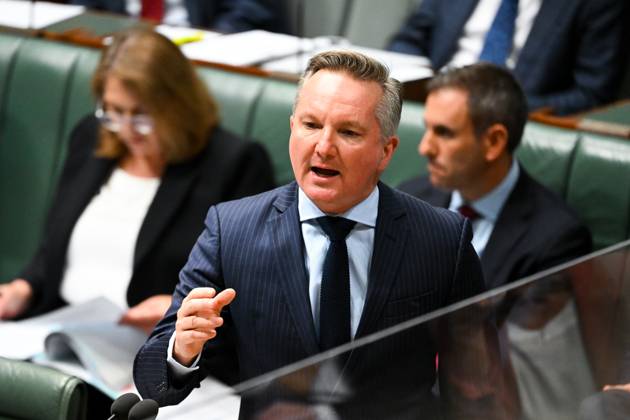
598 60
414 36
151 373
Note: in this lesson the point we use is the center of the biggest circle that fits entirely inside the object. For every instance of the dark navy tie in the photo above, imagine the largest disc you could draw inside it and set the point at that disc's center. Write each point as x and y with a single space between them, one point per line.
334 307
500 36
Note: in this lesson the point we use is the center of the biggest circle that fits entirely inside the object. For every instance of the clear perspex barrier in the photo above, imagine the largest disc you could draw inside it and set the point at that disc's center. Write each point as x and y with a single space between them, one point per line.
535 349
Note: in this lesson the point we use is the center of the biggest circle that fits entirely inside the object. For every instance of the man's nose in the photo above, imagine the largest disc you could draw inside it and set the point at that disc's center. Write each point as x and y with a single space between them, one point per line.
426 147
325 143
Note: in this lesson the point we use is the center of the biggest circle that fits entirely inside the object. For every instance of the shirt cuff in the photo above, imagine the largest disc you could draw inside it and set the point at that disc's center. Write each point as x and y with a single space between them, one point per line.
177 369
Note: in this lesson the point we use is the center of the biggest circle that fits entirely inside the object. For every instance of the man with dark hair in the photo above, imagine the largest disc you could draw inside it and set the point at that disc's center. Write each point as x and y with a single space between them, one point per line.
474 120
265 286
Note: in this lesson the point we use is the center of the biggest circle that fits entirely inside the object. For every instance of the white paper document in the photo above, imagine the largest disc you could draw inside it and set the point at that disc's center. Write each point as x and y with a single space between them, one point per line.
84 340
248 48
35 15
403 67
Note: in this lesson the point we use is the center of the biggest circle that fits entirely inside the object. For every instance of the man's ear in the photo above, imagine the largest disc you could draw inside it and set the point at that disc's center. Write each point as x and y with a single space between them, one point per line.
389 148
291 122
495 141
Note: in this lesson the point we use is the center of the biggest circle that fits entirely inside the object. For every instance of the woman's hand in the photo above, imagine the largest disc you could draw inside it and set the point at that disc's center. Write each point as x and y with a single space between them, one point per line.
147 313
15 298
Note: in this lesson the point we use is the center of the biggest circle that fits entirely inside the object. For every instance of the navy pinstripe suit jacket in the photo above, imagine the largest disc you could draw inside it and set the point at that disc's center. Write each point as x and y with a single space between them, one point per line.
422 260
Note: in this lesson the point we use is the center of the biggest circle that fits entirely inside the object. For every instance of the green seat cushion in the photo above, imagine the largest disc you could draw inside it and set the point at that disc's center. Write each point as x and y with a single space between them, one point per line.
546 153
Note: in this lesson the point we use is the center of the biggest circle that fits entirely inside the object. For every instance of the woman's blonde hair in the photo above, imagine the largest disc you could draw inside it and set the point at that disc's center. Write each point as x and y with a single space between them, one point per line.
165 82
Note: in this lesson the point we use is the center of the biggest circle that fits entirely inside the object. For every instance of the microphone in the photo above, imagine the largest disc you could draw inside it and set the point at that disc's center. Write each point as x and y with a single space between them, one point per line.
121 406
144 410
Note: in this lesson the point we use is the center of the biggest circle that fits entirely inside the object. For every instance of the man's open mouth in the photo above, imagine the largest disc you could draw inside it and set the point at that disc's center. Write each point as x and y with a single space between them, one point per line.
324 172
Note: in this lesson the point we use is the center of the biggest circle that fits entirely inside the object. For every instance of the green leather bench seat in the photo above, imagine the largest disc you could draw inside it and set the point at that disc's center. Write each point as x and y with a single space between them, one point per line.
547 153
406 162
270 125
34 392
599 187
34 121
45 89
237 95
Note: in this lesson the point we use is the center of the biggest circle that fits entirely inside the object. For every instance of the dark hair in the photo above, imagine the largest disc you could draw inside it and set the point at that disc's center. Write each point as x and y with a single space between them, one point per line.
494 96
362 67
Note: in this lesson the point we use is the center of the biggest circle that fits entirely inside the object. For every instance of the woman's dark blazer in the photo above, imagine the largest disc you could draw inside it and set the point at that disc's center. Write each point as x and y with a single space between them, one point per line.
226 169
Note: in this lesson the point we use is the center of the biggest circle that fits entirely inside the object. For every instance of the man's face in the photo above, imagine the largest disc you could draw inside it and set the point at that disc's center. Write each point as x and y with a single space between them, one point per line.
456 157
336 149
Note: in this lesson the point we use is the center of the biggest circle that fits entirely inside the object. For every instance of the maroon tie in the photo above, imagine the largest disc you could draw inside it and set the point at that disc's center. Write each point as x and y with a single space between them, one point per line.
152 9
467 211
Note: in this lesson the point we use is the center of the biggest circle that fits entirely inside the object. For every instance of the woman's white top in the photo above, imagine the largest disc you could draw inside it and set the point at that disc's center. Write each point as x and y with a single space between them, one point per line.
99 261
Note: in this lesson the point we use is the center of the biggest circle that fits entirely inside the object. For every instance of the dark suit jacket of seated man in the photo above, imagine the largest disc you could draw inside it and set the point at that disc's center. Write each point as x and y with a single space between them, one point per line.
342 137
474 119
570 59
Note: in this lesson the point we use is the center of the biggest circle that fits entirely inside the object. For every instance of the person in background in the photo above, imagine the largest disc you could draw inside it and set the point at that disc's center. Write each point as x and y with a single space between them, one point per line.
221 15
474 119
567 54
138 179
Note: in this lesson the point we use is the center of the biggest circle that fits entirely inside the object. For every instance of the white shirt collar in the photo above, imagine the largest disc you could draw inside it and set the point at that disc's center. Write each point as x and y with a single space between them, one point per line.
364 213
489 206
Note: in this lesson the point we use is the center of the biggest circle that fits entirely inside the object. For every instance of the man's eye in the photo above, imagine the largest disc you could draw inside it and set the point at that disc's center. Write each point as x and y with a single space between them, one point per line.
349 133
310 124
443 132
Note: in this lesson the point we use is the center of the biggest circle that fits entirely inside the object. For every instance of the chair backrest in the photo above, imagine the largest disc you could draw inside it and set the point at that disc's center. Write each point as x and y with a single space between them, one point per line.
406 162
599 187
33 118
313 18
236 94
270 125
34 392
547 154
390 15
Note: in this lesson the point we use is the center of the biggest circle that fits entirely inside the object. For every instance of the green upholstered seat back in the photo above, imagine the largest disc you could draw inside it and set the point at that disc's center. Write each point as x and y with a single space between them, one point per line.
547 153
599 187
33 392
32 127
236 95
406 162
270 125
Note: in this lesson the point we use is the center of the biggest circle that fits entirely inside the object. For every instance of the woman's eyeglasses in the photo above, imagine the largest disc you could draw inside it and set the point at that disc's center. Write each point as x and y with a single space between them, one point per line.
114 121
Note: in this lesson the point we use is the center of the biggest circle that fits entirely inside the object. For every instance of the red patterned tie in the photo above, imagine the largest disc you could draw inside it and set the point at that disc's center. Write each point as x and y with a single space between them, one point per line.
152 9
467 211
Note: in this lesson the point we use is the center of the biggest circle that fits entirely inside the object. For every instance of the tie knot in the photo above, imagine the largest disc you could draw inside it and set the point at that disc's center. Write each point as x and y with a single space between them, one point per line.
467 211
336 228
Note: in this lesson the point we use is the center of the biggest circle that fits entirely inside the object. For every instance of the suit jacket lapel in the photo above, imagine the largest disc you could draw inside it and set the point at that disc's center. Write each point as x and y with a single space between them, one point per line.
389 241
510 226
288 248
452 32
173 189
547 18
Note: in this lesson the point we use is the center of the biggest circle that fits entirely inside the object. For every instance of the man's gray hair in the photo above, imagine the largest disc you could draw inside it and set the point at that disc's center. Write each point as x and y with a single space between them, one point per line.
364 68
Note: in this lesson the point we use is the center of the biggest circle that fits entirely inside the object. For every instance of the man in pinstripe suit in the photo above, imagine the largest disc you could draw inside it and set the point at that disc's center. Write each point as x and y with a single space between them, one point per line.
248 299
